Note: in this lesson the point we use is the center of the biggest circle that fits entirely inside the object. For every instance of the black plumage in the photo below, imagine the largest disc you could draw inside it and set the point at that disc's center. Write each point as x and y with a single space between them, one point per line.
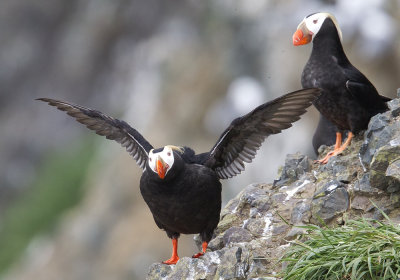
348 98
325 133
188 201
182 188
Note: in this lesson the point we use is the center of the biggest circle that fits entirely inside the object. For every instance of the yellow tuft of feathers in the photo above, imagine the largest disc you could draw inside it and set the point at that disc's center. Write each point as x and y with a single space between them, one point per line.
176 148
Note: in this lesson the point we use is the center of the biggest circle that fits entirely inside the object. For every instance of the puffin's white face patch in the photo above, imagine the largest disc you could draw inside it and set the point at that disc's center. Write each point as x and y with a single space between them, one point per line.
315 21
166 154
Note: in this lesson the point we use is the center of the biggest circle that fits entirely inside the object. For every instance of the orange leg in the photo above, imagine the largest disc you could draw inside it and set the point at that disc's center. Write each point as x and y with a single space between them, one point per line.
204 245
338 140
174 258
338 149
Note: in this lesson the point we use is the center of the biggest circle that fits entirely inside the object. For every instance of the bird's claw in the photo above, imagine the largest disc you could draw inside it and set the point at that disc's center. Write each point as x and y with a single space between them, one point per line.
327 157
172 260
197 255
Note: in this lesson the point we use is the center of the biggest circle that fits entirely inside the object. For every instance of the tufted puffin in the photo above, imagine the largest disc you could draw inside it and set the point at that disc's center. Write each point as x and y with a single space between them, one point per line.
348 98
182 188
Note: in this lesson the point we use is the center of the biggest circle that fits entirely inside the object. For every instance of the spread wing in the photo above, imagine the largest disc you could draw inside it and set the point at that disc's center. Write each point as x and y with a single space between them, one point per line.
241 140
111 128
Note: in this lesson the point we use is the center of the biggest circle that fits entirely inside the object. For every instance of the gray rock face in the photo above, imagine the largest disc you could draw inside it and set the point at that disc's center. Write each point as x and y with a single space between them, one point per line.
393 171
295 166
381 149
382 129
377 135
384 168
330 201
301 213
363 187
236 235
257 224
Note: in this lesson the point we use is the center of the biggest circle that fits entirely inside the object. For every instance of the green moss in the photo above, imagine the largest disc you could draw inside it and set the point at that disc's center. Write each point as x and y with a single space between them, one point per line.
227 222
382 158
59 186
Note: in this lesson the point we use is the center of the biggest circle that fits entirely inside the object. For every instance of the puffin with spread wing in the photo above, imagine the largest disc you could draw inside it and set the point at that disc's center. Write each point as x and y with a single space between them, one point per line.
182 188
348 99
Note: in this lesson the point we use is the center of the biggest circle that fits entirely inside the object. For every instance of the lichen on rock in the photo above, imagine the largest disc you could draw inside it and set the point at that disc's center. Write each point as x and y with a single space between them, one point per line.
256 226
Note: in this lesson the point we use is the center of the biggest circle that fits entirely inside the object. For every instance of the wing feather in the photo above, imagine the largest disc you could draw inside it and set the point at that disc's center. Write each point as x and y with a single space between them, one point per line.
113 129
241 140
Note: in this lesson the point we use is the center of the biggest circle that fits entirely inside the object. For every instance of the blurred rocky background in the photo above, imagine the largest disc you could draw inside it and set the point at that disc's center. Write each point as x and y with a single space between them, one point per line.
179 72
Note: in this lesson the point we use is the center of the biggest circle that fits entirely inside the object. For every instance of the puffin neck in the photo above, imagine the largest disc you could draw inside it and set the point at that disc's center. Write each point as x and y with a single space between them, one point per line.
327 43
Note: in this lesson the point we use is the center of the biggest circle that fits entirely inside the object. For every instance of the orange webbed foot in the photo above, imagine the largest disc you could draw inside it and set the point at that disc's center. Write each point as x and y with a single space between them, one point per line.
204 246
197 255
172 260
328 156
338 148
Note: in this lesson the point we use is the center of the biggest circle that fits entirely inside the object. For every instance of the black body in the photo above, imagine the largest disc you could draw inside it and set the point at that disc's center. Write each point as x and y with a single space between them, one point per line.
348 98
188 201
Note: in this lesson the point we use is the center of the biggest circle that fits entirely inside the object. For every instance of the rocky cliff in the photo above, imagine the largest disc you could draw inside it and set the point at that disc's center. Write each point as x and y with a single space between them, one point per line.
256 227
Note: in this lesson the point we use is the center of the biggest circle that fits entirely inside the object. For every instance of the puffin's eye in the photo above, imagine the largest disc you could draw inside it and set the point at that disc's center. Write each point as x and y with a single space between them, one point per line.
150 159
315 21
169 154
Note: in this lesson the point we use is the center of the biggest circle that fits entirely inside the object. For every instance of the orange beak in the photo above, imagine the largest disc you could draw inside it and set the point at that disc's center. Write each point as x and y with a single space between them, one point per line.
302 36
162 167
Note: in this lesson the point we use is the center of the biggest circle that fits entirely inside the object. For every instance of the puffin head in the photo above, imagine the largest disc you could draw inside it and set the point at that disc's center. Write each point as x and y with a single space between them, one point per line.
310 26
162 160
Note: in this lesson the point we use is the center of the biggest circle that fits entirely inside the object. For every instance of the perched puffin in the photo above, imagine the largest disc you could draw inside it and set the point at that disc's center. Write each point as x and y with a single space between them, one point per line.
181 188
348 99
